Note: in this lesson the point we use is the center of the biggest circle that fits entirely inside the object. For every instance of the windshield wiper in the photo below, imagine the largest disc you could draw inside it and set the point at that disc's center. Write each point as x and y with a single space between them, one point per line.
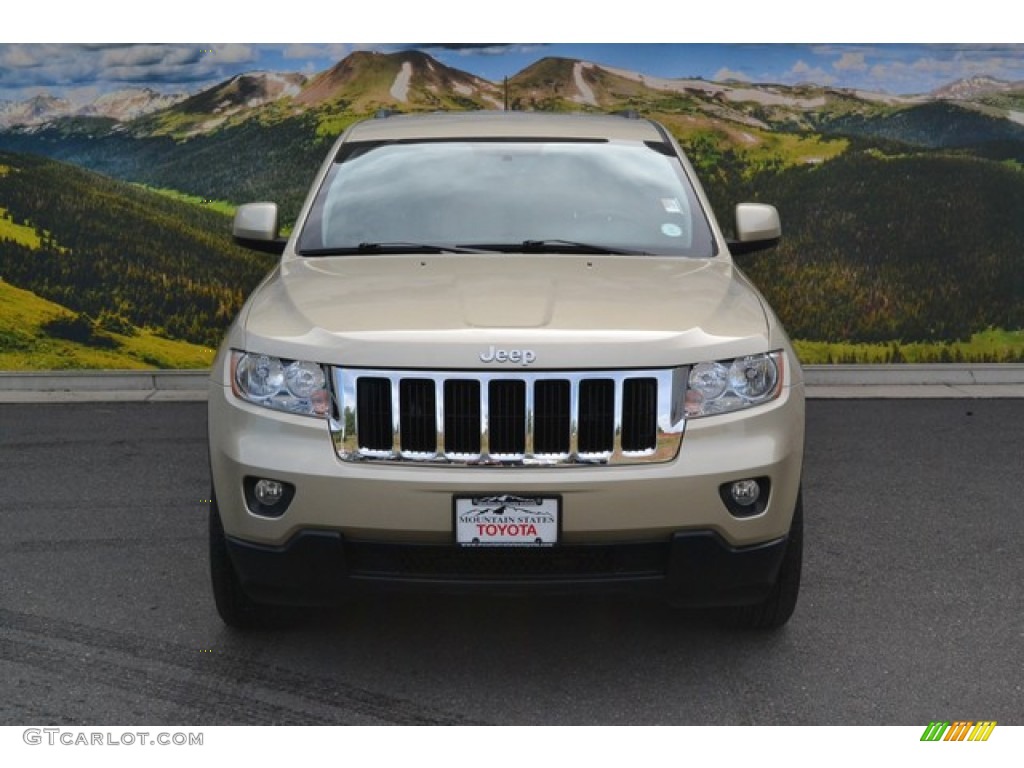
556 245
395 247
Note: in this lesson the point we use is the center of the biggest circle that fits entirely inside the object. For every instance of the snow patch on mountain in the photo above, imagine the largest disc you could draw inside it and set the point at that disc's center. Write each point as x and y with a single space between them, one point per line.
39 109
206 127
975 87
762 95
120 105
771 98
400 88
286 86
586 93
129 103
887 98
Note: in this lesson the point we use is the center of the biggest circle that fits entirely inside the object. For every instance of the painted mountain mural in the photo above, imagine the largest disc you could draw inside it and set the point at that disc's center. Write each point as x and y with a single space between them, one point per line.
904 233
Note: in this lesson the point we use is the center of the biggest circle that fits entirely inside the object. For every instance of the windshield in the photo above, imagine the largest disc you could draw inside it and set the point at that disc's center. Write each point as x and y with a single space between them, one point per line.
620 197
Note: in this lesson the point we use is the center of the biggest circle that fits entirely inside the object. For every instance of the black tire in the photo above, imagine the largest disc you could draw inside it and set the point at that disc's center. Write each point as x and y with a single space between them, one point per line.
775 610
235 607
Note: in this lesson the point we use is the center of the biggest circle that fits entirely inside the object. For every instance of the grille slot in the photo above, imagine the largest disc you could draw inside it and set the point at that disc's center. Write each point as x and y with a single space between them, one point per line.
462 416
597 416
419 415
508 417
552 418
373 415
639 414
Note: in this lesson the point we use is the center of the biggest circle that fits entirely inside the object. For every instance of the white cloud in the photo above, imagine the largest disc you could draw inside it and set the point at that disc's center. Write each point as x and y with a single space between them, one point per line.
731 74
491 50
86 94
851 62
880 72
332 51
929 72
232 53
17 56
802 72
170 66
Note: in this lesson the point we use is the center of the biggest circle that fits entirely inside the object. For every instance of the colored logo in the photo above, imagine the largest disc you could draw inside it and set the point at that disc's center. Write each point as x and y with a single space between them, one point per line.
961 730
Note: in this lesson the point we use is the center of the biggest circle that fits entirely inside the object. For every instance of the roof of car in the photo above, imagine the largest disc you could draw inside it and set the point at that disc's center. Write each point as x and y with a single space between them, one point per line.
457 125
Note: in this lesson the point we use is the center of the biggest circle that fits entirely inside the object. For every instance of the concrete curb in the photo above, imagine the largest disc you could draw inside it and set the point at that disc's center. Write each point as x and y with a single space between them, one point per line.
102 386
913 374
822 381
914 381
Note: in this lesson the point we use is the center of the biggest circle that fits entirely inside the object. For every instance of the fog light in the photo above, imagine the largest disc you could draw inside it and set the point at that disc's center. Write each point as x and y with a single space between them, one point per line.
266 497
745 492
268 492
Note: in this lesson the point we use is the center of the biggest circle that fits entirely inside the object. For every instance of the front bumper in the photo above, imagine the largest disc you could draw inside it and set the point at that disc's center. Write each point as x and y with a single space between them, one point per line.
601 505
692 567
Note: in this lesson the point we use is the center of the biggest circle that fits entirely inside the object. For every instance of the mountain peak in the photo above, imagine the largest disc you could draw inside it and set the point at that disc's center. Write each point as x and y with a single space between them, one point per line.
366 80
245 91
38 109
972 87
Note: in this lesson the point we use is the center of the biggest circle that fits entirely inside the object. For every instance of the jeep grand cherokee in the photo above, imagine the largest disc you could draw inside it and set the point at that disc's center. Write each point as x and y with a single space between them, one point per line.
506 351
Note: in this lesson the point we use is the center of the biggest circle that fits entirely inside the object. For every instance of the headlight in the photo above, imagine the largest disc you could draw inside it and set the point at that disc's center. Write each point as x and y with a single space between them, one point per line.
730 385
295 386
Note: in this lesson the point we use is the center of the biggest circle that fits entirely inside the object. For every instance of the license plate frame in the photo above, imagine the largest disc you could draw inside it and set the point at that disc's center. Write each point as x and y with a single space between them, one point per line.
507 520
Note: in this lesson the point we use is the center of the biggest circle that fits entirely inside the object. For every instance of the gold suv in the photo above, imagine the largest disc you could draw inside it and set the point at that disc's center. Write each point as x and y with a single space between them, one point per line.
506 352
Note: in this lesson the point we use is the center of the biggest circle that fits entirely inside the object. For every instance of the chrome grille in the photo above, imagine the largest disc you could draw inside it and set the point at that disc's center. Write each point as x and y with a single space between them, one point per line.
509 417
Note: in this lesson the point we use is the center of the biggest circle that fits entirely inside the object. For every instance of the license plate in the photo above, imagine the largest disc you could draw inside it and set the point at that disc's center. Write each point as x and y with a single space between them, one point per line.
506 520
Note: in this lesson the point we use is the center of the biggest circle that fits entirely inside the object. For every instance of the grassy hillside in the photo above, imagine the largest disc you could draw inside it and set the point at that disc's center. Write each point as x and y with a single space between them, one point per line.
238 164
27 340
123 254
220 206
18 233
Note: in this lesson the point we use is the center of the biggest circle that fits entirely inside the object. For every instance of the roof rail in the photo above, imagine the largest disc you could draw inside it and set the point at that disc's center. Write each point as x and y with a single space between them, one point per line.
630 114
380 114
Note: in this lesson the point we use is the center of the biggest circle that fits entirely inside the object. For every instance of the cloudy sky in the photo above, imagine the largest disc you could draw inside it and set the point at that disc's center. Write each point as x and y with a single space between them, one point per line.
81 72
751 40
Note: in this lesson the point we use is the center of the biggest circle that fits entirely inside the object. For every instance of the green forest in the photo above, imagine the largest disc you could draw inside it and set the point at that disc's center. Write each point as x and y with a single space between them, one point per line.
120 255
912 248
252 161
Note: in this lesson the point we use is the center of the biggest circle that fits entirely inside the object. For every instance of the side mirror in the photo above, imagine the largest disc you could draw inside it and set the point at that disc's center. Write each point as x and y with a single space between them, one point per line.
256 227
757 228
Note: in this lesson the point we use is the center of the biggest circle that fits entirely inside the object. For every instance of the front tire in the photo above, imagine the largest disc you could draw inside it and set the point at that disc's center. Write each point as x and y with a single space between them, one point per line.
235 607
776 609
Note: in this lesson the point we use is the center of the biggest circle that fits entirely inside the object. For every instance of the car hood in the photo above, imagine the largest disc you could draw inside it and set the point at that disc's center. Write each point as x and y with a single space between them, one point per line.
445 311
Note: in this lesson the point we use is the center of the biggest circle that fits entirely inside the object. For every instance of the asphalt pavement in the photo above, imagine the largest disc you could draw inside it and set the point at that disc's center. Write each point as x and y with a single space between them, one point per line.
912 606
